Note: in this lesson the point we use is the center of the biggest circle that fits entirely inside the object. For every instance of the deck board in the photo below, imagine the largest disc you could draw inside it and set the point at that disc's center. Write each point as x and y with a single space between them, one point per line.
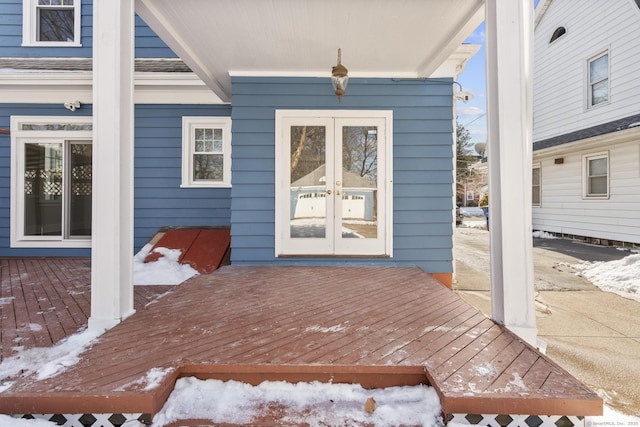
46 300
374 325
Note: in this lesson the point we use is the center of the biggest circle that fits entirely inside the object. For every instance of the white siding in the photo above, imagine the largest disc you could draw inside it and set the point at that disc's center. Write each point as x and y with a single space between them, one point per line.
564 210
559 82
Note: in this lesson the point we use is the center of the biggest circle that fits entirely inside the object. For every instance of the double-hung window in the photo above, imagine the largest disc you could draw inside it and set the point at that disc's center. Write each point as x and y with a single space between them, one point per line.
206 152
535 185
596 175
51 23
51 166
598 76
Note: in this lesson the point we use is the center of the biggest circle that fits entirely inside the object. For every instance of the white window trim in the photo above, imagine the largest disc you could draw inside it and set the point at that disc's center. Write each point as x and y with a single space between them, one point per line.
19 138
585 176
589 105
30 26
188 145
539 167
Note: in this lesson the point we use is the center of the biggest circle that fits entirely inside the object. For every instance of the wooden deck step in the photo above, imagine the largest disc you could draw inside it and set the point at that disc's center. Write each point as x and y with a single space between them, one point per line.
375 325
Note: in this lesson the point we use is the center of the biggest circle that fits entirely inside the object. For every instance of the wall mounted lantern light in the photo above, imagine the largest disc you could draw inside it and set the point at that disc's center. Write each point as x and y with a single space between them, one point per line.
339 77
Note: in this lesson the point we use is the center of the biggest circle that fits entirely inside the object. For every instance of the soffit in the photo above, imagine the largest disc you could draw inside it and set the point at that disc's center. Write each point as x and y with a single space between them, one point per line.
378 38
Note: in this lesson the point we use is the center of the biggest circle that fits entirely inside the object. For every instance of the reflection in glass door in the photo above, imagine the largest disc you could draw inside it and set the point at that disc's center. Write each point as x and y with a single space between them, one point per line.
308 182
359 182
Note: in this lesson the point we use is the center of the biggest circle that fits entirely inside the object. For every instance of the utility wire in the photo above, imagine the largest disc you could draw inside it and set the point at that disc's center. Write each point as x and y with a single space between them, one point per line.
477 118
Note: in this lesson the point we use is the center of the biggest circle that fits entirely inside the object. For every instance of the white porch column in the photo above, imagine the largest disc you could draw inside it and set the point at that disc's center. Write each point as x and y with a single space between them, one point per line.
509 29
112 223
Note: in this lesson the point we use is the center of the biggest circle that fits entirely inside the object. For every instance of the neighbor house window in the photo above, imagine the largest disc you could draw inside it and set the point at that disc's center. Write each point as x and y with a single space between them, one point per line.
535 186
206 152
598 70
470 195
51 23
51 166
596 171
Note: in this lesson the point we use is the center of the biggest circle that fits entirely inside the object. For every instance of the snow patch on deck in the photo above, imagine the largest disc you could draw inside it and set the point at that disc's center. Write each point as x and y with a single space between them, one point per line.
326 329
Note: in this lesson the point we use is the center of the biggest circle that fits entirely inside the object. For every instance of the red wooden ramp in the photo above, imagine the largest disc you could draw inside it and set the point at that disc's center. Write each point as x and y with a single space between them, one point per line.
204 249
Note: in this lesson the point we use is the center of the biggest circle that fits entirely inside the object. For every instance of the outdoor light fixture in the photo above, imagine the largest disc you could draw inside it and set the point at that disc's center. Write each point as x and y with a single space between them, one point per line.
339 77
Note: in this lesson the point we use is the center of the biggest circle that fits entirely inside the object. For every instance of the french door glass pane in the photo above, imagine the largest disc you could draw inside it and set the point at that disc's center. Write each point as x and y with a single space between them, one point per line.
308 208
43 190
80 190
359 182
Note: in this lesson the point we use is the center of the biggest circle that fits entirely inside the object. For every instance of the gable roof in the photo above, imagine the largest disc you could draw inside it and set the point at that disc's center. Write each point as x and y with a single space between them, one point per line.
541 9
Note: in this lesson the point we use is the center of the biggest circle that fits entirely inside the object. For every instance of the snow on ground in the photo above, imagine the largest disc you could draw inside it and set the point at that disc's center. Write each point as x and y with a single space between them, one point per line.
471 211
7 421
621 277
475 222
543 235
165 271
314 403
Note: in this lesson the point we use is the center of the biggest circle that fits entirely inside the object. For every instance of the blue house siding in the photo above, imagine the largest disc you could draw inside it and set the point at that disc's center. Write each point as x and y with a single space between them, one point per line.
147 43
423 162
159 200
10 25
6 111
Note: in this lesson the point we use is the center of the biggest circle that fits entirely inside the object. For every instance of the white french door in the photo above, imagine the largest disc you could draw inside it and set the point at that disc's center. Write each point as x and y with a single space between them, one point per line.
333 183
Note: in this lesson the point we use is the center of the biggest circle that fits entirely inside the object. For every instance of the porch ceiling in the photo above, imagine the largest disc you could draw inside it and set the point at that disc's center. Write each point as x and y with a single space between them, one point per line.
378 38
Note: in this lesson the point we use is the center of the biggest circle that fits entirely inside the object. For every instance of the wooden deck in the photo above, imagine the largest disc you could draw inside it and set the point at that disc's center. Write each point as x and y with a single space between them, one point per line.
373 325
43 300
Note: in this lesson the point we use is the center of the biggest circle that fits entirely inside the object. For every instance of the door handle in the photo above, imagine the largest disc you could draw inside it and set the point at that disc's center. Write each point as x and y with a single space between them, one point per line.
328 191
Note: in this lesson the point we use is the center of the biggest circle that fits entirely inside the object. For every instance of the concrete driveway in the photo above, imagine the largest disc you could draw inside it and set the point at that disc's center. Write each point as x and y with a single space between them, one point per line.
594 335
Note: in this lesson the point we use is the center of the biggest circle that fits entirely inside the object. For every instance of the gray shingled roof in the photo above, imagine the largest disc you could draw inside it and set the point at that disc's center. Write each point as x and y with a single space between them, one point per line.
158 65
605 128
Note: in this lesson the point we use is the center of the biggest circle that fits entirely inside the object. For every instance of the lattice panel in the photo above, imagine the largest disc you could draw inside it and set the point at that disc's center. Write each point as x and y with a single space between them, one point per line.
81 172
81 188
49 181
494 420
89 420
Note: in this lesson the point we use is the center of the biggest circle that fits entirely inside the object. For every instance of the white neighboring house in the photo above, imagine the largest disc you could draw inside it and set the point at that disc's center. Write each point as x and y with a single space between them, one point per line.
586 150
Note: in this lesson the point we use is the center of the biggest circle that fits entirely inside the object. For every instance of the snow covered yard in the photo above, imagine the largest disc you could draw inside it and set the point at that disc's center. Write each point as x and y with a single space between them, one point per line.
621 277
